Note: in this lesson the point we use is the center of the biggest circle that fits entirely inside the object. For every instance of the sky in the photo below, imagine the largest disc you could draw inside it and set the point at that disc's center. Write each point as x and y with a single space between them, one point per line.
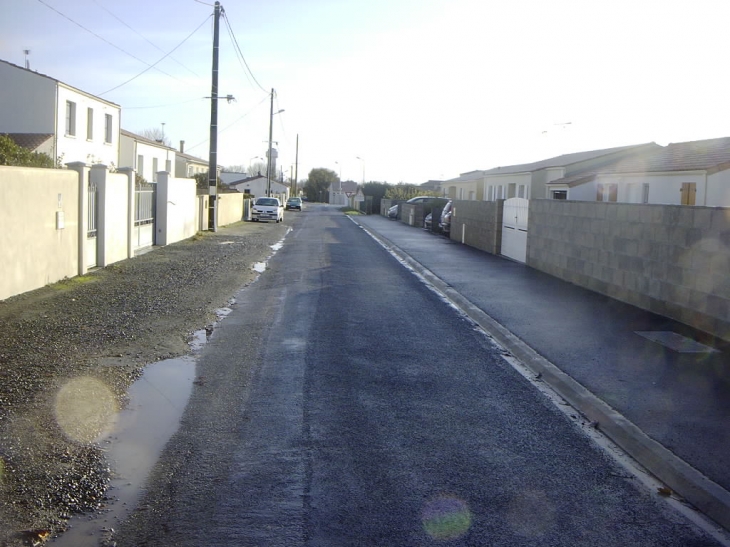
391 90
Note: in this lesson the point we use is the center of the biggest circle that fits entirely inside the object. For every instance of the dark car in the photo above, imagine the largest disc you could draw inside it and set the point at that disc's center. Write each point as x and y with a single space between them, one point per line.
294 203
445 222
428 222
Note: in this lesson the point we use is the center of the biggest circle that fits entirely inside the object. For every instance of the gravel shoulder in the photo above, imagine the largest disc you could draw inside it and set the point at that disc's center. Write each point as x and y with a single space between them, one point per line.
69 351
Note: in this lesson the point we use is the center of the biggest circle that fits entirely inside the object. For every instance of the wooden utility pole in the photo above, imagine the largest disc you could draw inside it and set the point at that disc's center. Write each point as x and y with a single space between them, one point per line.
268 167
296 168
213 158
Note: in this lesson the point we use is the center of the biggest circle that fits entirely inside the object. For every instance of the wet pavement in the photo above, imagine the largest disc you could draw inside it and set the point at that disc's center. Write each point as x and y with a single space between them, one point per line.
658 388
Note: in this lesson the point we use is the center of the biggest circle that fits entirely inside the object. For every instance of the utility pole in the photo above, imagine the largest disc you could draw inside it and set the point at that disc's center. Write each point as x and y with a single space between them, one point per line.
296 168
268 166
213 159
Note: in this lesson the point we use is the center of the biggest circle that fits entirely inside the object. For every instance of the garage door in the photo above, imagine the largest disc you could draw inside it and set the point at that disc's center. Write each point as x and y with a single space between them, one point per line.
514 229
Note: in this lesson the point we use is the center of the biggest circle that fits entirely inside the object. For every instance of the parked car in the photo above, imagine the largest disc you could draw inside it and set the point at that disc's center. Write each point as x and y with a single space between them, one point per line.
393 212
268 209
428 222
294 203
445 222
422 199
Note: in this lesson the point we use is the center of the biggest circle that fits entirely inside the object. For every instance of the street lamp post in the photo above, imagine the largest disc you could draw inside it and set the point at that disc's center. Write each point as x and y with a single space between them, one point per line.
250 162
271 129
363 169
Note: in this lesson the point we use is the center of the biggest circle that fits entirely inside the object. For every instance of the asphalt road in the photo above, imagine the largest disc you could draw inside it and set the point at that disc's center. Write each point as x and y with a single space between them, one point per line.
343 402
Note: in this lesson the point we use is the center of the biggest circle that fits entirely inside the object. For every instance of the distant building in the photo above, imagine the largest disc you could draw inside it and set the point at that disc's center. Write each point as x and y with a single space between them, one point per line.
146 156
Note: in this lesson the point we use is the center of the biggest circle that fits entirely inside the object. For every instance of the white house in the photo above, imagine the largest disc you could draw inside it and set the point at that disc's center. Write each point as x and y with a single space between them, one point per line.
187 166
686 173
257 186
65 122
532 180
468 186
341 191
146 156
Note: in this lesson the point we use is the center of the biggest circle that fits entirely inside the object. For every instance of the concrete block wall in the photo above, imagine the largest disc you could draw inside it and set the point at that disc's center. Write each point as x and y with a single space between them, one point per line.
478 224
669 259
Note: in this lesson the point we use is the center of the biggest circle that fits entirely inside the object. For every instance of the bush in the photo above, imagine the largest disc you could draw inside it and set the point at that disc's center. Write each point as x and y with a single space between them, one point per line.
12 154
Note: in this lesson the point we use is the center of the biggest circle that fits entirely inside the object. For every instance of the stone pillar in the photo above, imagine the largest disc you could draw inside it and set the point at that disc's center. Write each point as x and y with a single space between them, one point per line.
129 172
83 170
98 176
161 217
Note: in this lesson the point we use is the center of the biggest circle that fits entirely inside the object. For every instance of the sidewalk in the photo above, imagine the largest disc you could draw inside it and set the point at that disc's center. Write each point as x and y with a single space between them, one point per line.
663 397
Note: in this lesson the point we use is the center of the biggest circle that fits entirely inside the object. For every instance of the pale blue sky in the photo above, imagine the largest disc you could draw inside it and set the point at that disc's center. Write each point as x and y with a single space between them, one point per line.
420 90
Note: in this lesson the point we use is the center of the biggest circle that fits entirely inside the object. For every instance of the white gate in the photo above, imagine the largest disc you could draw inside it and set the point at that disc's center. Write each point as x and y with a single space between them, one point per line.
514 229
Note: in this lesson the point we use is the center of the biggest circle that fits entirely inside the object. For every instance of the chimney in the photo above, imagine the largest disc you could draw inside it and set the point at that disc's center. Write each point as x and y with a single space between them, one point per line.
182 147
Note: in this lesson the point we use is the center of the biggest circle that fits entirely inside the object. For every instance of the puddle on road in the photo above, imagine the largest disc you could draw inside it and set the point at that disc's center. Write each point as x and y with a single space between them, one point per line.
156 403
259 267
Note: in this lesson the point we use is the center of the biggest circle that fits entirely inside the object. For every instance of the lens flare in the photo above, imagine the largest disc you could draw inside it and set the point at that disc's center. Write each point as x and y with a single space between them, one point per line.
85 409
446 518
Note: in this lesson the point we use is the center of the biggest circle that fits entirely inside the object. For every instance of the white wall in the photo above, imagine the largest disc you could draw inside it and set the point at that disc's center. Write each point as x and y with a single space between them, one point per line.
503 182
664 188
79 147
33 250
718 189
114 215
27 101
176 209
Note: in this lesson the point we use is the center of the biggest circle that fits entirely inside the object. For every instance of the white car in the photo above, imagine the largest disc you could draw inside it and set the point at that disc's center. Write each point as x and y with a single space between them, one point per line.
268 209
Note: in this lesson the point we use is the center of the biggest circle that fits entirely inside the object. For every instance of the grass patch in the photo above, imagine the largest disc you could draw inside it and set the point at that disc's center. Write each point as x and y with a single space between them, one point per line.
349 211
73 282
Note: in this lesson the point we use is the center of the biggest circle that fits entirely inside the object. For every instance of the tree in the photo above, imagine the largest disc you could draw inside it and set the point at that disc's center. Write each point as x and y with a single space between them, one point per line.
202 182
155 134
317 186
12 154
256 169
376 190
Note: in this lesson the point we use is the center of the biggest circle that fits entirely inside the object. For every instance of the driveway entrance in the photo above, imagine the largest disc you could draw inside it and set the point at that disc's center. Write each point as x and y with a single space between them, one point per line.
514 229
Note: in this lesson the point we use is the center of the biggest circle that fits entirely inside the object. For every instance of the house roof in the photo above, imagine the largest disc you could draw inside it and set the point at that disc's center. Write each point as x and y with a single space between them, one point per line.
710 155
466 177
243 179
36 73
30 141
563 160
145 140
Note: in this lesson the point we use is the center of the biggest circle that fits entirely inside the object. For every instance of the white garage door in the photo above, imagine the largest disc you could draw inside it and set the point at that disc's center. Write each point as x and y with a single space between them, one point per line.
514 229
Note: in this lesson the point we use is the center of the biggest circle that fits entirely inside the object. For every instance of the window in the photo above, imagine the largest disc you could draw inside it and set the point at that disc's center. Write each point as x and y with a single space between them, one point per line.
107 128
599 192
522 191
70 118
471 195
89 124
168 166
490 193
500 192
645 193
607 192
140 165
511 189
560 194
154 169
613 192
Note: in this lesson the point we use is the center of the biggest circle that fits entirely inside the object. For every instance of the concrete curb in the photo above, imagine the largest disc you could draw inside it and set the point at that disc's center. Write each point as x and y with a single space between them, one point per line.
704 494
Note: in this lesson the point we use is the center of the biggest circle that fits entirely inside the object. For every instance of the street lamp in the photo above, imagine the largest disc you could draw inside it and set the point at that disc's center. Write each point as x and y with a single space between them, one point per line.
250 162
271 128
363 169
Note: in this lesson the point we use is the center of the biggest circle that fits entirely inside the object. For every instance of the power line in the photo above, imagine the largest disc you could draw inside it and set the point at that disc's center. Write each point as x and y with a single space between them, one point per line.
240 53
160 60
105 40
143 36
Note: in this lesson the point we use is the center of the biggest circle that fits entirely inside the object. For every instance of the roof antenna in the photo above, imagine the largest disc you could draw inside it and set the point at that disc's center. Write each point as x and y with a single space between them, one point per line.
27 62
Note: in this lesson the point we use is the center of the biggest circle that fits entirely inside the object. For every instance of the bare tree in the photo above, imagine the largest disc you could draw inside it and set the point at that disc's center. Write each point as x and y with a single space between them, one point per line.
155 134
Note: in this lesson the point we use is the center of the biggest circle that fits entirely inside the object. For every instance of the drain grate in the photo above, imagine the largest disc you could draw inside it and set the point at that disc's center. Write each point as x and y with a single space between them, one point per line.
677 342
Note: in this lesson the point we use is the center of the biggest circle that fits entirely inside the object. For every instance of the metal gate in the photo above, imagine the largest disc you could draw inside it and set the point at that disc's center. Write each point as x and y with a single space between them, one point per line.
144 214
514 229
92 214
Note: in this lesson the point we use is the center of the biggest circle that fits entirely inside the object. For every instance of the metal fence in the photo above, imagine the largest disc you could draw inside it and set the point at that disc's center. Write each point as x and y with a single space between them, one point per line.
144 204
92 212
